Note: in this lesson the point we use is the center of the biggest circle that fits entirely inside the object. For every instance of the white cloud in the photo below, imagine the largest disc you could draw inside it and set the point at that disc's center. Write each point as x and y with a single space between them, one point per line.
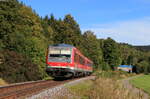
136 32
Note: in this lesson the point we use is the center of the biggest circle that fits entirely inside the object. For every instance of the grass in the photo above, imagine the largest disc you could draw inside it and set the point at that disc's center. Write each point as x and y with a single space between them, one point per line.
81 89
101 88
114 74
105 86
142 82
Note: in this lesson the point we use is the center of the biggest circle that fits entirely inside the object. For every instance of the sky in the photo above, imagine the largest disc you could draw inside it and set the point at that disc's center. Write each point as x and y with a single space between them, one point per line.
125 21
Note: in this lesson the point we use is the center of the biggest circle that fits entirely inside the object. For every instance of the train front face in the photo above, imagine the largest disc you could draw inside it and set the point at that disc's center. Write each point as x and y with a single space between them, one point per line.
59 62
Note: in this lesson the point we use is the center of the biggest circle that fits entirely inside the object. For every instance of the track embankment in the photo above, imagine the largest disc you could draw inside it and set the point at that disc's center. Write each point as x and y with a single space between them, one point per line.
60 90
35 89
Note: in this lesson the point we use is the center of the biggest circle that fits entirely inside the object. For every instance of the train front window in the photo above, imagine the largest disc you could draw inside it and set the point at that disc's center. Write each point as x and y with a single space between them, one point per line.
59 55
59 58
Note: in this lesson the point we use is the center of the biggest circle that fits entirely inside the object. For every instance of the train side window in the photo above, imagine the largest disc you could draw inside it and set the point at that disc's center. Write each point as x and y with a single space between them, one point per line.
76 58
89 64
81 60
85 62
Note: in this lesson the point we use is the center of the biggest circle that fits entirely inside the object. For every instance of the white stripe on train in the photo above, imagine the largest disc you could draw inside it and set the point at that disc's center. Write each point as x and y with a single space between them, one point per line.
73 68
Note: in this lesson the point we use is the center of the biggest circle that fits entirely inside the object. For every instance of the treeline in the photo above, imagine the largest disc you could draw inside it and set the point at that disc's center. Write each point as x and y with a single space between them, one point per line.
25 36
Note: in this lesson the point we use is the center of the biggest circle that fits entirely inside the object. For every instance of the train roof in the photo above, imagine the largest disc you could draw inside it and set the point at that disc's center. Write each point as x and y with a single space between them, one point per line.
61 45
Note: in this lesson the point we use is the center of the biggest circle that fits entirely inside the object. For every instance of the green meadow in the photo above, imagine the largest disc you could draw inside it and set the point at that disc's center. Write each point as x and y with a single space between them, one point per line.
142 82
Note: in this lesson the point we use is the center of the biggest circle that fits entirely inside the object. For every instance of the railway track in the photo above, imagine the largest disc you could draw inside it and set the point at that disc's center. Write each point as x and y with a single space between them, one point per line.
22 90
19 90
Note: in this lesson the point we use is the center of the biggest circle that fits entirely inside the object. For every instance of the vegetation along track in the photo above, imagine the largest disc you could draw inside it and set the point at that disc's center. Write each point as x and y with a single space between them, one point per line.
19 90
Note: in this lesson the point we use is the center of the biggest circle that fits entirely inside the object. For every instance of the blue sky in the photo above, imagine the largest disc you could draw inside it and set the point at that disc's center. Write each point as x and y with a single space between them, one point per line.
123 20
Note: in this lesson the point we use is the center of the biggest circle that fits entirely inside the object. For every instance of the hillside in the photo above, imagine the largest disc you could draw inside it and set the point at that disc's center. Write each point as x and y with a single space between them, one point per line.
143 48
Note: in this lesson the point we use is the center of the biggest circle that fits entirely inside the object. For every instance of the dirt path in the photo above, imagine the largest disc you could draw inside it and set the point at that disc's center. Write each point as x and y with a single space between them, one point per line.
133 89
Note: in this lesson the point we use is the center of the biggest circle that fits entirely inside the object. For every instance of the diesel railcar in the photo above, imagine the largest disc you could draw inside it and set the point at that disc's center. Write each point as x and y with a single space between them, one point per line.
64 60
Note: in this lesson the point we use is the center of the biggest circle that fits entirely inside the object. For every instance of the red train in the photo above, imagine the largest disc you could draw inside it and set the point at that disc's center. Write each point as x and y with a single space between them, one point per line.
65 60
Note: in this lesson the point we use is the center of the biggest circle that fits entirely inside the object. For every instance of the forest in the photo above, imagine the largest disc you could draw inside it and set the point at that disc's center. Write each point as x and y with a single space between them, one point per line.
25 36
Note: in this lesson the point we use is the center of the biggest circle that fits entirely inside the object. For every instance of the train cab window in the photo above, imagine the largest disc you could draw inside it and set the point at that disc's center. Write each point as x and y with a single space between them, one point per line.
59 58
59 55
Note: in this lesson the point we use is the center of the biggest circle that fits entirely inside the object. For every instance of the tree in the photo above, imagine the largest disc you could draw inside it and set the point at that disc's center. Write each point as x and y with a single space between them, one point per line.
72 24
15 67
22 32
130 60
142 67
47 30
93 50
8 18
111 53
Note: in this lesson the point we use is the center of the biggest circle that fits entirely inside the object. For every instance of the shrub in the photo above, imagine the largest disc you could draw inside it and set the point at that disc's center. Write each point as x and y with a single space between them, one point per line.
15 67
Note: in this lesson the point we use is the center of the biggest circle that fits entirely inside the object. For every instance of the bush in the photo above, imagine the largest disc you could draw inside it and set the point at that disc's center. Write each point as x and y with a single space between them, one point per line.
113 74
15 67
